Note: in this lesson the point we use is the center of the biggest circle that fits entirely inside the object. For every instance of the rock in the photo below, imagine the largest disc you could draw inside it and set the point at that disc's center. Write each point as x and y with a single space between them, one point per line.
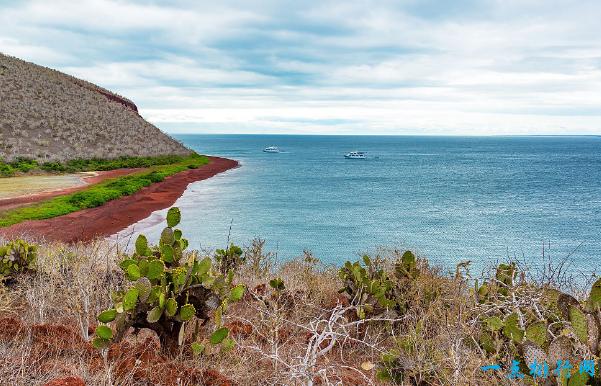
50 340
67 381
58 366
240 328
11 328
214 378
57 337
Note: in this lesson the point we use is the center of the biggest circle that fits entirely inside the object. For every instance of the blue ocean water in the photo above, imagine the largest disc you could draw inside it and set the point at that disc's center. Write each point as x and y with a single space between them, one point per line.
449 198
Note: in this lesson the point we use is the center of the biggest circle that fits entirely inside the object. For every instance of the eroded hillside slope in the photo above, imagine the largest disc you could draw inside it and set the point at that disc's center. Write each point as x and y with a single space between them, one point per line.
50 116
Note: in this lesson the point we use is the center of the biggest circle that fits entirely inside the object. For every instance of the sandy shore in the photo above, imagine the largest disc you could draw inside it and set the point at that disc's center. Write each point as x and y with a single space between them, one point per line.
116 215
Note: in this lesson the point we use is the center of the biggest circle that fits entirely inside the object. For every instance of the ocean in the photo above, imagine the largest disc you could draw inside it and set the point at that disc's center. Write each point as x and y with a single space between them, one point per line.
450 199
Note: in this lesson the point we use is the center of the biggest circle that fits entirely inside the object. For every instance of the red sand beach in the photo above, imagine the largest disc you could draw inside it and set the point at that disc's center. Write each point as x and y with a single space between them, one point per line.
110 218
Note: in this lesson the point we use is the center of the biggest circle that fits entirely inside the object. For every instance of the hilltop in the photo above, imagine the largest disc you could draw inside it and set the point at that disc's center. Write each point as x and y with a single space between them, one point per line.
47 115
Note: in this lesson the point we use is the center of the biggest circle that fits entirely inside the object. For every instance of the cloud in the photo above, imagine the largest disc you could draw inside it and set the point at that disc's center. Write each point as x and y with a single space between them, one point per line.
389 67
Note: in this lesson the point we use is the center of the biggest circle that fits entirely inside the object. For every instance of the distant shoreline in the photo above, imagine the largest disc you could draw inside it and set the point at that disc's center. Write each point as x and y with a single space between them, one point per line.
116 215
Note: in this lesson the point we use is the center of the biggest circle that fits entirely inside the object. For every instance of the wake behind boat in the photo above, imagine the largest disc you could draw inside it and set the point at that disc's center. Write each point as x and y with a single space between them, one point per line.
355 155
271 149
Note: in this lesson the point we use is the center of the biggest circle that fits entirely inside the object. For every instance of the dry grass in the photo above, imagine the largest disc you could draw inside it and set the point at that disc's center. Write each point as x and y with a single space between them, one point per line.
18 186
307 334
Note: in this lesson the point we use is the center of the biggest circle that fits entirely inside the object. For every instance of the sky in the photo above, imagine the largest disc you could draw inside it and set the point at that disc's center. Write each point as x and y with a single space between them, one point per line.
426 67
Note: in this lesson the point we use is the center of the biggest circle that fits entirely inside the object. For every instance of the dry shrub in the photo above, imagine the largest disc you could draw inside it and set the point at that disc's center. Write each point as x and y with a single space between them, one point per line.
306 333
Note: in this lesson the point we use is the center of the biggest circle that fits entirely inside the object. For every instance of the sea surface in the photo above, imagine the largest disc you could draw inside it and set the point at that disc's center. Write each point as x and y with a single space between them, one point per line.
451 199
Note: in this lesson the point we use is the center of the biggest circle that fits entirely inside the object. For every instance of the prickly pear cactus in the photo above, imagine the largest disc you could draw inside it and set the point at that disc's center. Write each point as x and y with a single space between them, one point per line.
406 266
229 259
579 323
554 327
594 299
17 256
368 287
169 290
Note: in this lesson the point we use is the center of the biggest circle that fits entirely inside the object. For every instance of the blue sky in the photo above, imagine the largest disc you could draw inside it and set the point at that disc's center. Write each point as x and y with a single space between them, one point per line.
331 67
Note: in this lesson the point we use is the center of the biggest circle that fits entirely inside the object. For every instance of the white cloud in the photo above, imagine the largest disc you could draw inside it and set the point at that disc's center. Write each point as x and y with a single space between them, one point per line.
489 67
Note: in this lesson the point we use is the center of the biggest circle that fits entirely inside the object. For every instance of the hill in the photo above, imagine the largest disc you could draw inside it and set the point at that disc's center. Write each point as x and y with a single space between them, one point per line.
47 115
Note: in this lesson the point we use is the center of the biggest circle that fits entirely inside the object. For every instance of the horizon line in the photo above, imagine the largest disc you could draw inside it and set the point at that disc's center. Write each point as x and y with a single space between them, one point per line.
389 135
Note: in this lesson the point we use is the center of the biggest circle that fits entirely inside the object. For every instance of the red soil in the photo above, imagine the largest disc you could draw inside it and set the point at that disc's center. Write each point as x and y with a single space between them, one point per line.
60 351
116 215
11 203
67 381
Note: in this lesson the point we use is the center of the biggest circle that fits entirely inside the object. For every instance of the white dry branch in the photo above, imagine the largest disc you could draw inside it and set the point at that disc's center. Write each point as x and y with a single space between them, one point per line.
326 330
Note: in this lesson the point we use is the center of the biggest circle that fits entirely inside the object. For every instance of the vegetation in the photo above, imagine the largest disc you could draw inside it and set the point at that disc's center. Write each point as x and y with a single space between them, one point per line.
20 165
16 256
167 291
25 165
98 194
385 319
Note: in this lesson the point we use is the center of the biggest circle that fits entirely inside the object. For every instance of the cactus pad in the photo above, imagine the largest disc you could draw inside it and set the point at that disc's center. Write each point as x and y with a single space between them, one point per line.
559 349
219 335
104 332
173 217
133 272
155 269
130 299
564 302
170 307
107 315
579 323
141 245
487 342
512 329
494 323
187 312
167 237
154 315
595 296
533 353
144 287
537 333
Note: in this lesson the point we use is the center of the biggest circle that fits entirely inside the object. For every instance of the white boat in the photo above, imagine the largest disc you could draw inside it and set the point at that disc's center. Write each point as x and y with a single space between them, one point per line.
355 155
271 149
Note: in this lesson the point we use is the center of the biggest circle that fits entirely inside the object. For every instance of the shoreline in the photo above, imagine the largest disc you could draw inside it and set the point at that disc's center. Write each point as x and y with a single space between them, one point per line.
116 215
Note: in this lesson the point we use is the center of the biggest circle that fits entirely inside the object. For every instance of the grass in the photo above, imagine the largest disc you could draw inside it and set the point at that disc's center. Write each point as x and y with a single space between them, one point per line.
26 166
103 192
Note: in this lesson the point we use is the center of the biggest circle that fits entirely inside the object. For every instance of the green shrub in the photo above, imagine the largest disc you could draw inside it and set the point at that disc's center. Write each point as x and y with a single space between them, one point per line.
22 165
93 198
56 167
25 165
6 170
